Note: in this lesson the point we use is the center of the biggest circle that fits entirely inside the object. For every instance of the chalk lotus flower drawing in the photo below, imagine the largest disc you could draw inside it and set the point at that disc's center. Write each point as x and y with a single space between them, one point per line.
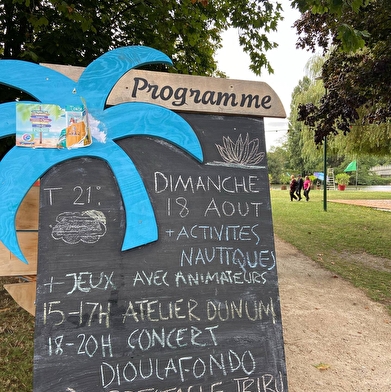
127 119
241 152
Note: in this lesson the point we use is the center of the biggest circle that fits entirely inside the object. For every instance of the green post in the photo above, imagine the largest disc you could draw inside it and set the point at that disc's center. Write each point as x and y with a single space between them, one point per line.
325 173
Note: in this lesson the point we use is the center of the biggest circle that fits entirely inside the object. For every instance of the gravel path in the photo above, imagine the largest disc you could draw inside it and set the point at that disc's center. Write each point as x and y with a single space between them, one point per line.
330 325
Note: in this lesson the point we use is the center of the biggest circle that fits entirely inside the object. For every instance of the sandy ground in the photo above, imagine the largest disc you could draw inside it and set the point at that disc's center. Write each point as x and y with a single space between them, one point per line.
330 323
377 204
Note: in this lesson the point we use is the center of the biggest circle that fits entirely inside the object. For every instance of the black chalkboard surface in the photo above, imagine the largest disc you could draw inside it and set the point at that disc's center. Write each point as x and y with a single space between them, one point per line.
197 310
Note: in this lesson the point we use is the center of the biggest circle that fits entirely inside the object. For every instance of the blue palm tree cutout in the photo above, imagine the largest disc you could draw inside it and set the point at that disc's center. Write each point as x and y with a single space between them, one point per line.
21 167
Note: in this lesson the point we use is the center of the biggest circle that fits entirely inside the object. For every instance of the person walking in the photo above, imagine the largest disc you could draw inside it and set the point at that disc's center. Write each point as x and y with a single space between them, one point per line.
307 187
299 186
292 187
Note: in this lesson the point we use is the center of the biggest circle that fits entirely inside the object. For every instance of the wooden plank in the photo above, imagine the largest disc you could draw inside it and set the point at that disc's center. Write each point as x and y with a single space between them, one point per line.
26 219
24 295
72 72
11 265
198 94
191 93
27 215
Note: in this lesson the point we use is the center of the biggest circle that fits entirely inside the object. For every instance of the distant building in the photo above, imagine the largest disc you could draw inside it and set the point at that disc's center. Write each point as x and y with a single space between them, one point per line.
382 171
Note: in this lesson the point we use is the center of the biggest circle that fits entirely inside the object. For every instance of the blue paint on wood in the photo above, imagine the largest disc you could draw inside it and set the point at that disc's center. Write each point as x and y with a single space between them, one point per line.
99 77
42 83
22 166
7 119
136 119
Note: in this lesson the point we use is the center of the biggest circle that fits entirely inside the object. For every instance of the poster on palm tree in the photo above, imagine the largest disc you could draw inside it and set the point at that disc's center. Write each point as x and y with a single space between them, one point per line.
156 259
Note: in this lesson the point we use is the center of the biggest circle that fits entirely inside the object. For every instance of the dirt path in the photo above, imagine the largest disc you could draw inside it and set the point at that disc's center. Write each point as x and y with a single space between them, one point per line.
328 321
377 204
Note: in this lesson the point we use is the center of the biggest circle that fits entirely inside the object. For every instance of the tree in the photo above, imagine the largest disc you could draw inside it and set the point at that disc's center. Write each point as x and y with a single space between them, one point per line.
304 154
356 75
278 163
302 151
341 150
329 23
188 31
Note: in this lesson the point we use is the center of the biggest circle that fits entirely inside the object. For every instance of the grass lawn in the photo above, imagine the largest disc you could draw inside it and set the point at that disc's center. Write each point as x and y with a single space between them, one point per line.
16 348
344 239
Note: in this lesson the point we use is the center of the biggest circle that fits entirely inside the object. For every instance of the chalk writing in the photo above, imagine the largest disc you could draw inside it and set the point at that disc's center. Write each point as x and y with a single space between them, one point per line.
82 281
88 345
51 192
155 278
229 184
52 283
180 202
228 209
219 278
215 387
195 311
83 194
181 278
242 309
186 367
156 310
265 383
221 233
229 256
173 338
85 314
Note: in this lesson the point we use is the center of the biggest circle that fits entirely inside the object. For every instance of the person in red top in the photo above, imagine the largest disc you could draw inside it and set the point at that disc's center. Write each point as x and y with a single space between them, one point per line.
307 187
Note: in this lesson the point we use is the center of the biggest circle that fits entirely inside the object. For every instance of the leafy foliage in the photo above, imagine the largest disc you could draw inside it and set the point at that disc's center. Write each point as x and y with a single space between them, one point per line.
357 72
188 31
278 165
304 155
370 144
342 178
361 140
326 22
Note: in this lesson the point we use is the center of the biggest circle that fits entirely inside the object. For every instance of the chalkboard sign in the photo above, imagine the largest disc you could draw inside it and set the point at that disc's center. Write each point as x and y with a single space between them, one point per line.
197 310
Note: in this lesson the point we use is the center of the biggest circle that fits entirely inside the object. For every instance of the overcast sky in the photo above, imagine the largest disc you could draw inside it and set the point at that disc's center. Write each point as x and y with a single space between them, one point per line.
287 61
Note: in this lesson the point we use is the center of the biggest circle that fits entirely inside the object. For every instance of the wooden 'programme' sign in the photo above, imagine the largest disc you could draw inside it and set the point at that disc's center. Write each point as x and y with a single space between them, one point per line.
156 264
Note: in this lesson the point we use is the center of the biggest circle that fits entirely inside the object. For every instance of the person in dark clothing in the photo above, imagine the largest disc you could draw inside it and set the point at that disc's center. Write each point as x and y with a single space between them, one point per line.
299 186
292 187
